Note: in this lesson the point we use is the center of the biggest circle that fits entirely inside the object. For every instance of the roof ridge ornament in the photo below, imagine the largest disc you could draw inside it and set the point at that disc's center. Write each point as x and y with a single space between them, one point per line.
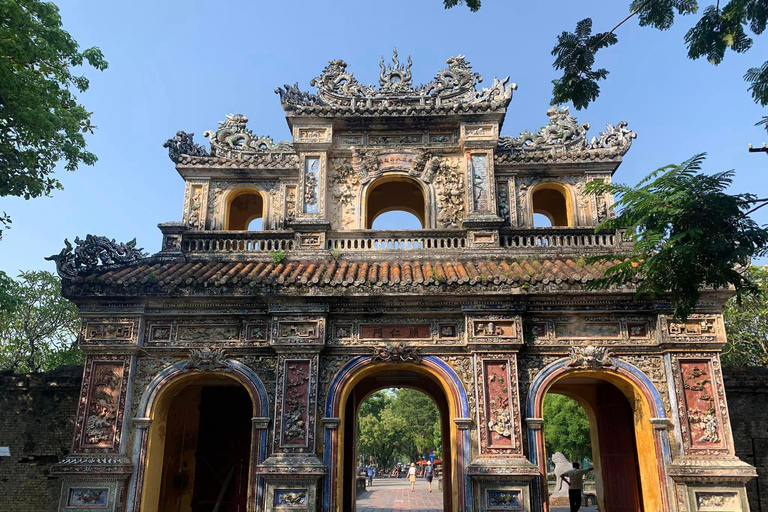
94 253
232 137
563 134
453 89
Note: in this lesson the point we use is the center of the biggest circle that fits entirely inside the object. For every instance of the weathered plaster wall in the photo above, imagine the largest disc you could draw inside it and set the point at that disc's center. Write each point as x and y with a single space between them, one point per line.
747 394
37 422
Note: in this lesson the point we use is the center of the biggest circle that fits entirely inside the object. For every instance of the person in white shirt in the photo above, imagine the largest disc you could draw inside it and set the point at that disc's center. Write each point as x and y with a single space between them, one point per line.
412 476
575 480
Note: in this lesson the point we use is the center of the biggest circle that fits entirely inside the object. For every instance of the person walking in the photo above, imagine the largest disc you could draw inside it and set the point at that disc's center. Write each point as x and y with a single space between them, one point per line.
575 480
371 472
429 474
412 476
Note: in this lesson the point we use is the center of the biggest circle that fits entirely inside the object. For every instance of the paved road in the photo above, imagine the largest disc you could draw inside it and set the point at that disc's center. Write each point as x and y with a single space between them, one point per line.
394 494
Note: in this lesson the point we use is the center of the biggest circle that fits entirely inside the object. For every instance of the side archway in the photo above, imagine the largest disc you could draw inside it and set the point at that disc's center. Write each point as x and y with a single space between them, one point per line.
648 416
554 201
242 206
149 443
339 392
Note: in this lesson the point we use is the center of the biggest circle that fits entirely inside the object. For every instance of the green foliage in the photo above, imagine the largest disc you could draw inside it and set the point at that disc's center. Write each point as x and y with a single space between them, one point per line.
566 428
474 5
575 55
40 118
39 332
277 256
746 324
717 30
687 233
398 424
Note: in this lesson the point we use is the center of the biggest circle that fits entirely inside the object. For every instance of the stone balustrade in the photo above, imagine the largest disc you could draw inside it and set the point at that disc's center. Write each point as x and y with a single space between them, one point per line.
375 240
207 242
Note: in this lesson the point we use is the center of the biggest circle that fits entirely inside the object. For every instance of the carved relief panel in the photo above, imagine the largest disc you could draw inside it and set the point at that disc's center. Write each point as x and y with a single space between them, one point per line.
298 331
203 332
296 408
481 185
195 205
702 409
102 404
419 331
494 329
696 328
109 331
499 408
635 330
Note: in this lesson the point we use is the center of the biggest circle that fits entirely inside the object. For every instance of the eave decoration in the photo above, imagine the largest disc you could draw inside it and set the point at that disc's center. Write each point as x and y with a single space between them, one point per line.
591 358
453 88
396 353
94 253
564 134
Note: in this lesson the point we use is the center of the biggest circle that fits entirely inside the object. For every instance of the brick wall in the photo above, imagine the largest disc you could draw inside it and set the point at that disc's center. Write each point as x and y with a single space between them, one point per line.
37 422
747 395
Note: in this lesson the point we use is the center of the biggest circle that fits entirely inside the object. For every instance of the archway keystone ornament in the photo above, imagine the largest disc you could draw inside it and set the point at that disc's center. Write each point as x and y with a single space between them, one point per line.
480 309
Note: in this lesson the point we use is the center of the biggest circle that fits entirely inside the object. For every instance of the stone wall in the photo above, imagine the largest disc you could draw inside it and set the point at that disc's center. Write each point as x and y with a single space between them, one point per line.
747 394
37 421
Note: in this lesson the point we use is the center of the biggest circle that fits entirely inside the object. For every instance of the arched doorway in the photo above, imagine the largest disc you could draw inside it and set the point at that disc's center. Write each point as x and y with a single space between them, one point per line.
395 193
391 377
243 208
188 459
552 201
629 453
358 379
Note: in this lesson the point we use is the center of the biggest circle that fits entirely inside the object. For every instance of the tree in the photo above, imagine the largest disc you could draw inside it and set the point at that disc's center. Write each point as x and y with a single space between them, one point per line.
40 118
746 324
566 428
718 30
40 332
687 234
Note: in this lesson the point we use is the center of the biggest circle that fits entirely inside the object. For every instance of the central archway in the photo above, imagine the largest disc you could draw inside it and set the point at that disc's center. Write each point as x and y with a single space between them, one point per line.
395 193
361 377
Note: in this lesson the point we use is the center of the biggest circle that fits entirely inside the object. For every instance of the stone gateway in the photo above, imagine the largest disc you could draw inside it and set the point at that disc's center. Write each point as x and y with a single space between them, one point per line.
225 372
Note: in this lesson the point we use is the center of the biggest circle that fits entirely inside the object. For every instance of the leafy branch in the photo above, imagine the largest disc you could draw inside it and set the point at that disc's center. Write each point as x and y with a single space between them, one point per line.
687 234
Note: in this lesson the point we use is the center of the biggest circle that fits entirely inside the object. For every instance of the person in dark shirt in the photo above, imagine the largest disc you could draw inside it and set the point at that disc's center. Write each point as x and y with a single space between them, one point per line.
429 473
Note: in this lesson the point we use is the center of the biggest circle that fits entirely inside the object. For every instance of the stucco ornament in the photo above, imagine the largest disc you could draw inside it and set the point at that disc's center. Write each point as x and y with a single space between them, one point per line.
592 357
564 133
208 360
456 85
233 139
396 353
183 144
449 185
94 252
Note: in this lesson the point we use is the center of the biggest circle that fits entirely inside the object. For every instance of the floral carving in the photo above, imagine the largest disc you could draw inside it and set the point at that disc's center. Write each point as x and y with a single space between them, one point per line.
295 412
345 185
99 428
449 183
702 419
592 357
183 144
502 202
88 254
208 360
396 353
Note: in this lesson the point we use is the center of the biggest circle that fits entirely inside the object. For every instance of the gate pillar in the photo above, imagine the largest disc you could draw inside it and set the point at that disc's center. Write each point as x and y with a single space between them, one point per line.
500 472
293 472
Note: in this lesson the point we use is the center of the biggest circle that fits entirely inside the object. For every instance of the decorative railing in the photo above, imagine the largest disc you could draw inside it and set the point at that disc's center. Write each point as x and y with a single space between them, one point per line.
539 241
558 238
374 240
237 241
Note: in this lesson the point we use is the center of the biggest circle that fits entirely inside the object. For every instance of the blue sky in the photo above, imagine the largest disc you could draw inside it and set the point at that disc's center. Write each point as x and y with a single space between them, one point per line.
185 65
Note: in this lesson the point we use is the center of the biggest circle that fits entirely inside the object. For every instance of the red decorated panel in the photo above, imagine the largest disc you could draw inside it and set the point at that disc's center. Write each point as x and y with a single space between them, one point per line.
702 409
394 332
102 405
499 419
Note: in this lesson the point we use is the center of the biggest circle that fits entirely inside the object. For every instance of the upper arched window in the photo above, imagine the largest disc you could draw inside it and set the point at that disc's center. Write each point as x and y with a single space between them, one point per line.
551 201
395 193
244 211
